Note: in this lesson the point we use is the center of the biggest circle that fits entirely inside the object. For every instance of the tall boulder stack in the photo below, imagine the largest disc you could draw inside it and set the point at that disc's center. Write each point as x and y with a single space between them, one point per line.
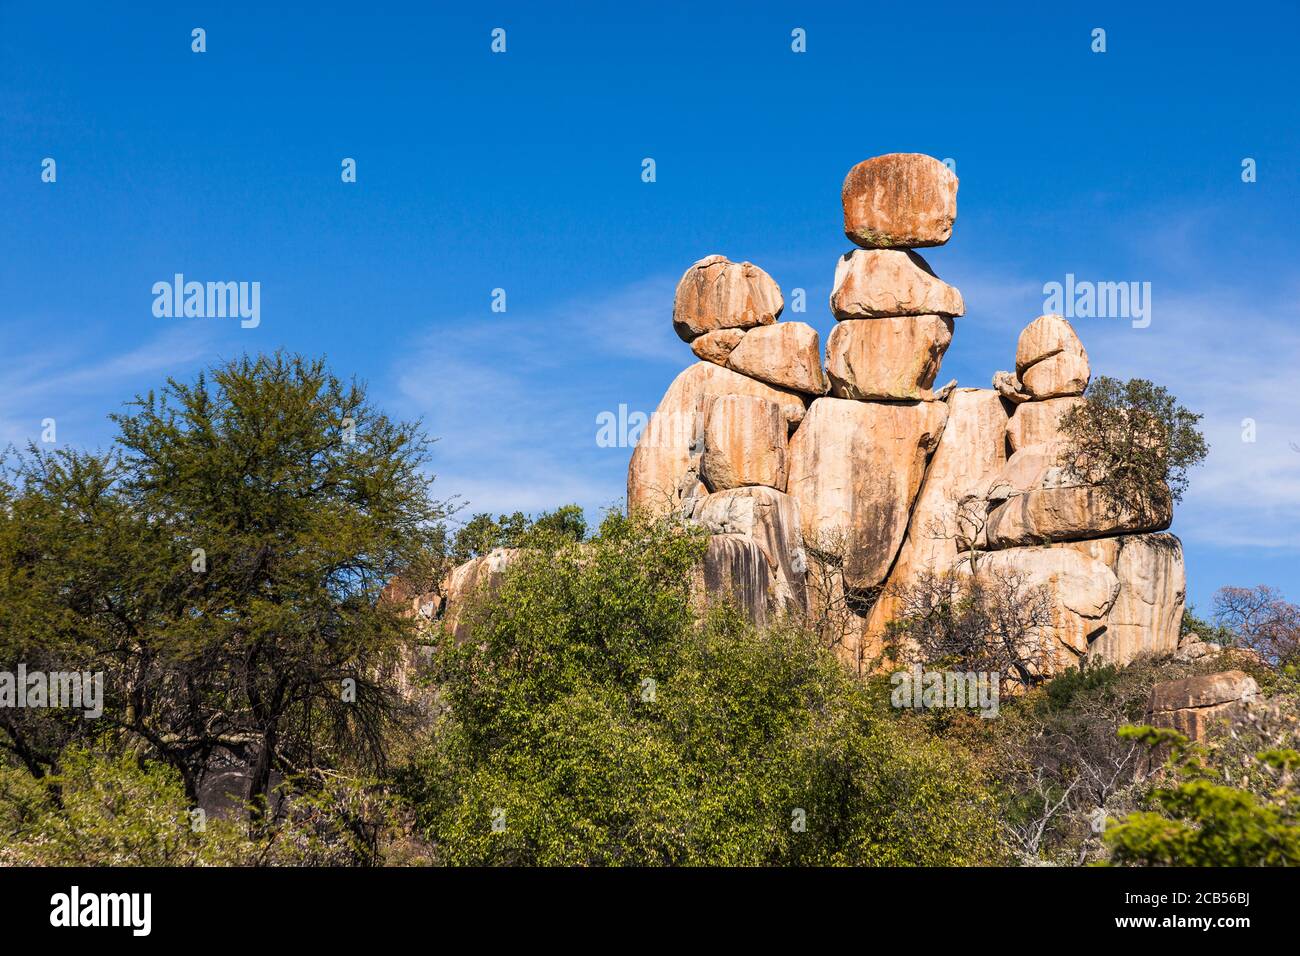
862 465
894 315
716 452
1036 500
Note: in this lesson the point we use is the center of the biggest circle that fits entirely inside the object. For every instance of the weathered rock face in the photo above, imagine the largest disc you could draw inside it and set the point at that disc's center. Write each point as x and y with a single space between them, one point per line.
902 200
970 453
880 283
717 293
855 468
787 355
1038 423
735 569
889 479
1194 705
1029 469
1148 611
1010 387
1082 589
1050 359
717 346
1044 337
1065 373
1144 614
894 358
1067 513
744 443
771 520
472 580
673 439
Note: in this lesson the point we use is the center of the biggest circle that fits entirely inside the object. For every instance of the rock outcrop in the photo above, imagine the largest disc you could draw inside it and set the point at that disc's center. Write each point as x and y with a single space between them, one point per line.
1148 611
855 468
880 283
1038 423
862 476
1050 360
1067 513
717 346
787 355
666 457
771 521
1044 337
894 358
1194 705
839 487
970 454
1082 591
735 569
744 443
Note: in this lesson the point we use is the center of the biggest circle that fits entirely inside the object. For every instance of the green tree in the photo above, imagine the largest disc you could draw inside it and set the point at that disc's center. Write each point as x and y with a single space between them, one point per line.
1134 441
221 564
1194 624
482 533
592 719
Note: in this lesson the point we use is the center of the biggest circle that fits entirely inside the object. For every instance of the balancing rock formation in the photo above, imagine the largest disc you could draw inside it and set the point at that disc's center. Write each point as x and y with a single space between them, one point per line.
779 459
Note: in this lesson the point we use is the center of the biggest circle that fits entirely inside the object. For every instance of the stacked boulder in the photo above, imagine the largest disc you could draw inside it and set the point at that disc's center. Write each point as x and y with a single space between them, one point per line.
784 462
894 316
1118 589
859 459
716 451
997 496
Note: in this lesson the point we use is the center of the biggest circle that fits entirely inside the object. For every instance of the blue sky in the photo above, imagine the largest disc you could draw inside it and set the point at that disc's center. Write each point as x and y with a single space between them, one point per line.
522 171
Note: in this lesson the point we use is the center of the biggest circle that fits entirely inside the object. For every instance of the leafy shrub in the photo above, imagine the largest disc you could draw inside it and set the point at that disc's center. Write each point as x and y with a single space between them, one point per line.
594 721
115 810
1199 819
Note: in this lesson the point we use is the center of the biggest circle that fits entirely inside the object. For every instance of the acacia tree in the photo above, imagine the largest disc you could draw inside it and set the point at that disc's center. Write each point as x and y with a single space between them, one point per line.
1134 442
222 565
1260 619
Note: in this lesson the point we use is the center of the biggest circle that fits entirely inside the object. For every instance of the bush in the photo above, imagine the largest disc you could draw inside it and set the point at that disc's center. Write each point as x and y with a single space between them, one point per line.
592 720
116 810
1198 819
990 621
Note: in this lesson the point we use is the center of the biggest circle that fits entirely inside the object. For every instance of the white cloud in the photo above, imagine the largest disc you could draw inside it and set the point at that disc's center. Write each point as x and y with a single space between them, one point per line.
78 381
509 397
